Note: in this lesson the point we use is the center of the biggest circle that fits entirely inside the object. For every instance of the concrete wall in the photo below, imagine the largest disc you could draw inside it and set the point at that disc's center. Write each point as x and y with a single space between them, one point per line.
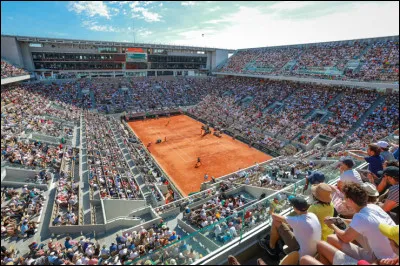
172 212
257 191
144 211
124 223
19 184
27 56
220 55
213 60
11 51
18 175
73 229
15 79
121 208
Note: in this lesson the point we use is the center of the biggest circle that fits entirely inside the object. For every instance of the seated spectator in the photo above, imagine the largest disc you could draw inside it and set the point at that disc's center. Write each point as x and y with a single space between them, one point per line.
364 224
306 230
386 155
374 159
391 204
347 173
274 206
332 255
314 178
372 192
322 206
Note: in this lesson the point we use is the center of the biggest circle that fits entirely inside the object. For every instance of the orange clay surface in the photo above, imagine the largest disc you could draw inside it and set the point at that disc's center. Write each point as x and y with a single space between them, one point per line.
178 156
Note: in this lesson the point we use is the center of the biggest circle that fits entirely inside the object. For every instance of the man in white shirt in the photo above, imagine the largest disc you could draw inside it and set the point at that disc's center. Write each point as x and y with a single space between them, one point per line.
365 223
306 230
347 173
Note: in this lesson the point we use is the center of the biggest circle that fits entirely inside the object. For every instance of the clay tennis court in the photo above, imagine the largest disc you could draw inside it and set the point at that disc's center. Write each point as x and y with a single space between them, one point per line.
178 156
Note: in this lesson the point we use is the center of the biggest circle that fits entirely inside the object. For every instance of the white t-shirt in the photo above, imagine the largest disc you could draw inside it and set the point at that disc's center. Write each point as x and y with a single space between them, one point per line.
366 223
351 176
307 230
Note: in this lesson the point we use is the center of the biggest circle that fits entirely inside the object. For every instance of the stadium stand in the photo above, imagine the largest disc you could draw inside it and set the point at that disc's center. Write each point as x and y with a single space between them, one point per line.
110 203
9 70
348 60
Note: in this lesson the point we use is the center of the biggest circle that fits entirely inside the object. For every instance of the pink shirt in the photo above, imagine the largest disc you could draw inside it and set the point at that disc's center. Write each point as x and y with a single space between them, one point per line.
340 206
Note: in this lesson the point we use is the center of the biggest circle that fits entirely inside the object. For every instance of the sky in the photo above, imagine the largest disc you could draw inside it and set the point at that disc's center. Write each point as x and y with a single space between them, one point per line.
233 25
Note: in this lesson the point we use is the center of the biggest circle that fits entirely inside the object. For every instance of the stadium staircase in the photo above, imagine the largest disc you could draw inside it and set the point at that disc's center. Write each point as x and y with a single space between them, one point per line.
278 109
131 164
93 99
353 64
246 101
80 94
221 65
361 63
325 118
366 114
289 65
334 100
363 52
84 200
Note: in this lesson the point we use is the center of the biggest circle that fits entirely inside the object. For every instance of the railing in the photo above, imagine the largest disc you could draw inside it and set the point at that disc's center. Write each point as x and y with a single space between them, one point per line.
259 217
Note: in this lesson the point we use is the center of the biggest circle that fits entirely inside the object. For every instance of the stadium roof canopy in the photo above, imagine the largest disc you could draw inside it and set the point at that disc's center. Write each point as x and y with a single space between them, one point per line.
108 43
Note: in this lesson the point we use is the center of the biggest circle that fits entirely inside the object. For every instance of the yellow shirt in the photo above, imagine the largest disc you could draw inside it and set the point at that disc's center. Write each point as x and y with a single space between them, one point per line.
322 211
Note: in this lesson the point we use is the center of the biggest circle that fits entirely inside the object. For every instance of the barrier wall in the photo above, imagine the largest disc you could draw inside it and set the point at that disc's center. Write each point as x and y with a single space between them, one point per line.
120 208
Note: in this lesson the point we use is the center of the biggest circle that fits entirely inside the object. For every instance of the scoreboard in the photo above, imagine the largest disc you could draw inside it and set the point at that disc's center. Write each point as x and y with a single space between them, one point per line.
136 55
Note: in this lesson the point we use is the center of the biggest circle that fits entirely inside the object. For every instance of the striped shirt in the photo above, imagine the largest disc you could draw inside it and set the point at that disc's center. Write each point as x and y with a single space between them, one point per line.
394 193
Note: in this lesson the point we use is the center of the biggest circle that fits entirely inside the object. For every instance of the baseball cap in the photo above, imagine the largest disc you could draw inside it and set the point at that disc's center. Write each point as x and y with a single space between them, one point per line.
383 144
390 231
299 203
316 177
391 171
370 189
348 161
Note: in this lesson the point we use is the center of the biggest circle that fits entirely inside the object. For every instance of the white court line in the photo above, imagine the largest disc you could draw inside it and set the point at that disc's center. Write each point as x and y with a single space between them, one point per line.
208 154
178 148
175 149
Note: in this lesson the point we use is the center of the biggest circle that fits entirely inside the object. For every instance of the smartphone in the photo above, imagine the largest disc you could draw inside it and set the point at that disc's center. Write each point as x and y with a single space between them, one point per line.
338 222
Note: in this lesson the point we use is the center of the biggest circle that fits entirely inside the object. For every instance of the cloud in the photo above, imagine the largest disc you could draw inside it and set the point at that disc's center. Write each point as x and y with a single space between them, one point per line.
241 29
93 26
120 3
291 5
90 8
188 3
213 9
141 12
144 33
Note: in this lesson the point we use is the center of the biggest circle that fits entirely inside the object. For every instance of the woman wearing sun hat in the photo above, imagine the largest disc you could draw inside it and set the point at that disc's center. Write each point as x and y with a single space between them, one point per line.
322 206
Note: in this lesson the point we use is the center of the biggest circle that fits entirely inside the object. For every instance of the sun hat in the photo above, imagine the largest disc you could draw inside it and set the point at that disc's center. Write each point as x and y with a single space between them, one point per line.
370 189
322 192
